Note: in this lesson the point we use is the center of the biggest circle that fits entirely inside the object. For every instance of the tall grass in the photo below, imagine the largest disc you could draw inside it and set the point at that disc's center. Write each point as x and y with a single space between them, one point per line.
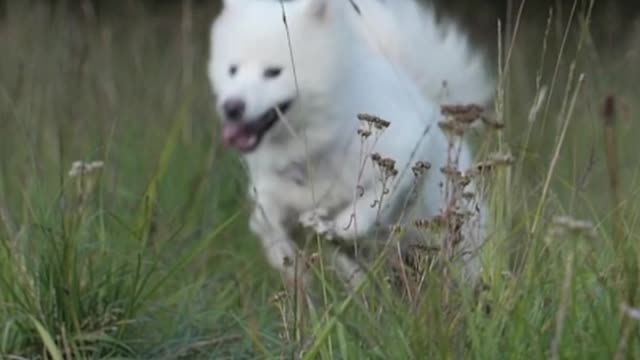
150 257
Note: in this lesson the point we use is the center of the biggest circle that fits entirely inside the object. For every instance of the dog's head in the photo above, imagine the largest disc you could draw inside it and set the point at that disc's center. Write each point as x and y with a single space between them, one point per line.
259 65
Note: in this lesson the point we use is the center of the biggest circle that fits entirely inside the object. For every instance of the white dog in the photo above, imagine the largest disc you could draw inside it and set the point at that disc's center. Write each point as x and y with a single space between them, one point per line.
291 79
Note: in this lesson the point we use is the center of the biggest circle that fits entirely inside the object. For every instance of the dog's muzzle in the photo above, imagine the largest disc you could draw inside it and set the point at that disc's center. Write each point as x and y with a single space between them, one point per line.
246 135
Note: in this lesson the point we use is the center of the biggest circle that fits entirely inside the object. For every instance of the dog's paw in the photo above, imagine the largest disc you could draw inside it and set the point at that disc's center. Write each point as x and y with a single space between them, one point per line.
312 217
316 220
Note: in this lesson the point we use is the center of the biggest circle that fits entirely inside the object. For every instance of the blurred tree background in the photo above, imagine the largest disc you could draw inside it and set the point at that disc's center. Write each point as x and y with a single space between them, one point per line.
612 18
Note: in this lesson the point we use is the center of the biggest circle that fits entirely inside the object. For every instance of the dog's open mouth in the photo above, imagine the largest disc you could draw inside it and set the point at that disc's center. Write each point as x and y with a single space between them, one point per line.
246 135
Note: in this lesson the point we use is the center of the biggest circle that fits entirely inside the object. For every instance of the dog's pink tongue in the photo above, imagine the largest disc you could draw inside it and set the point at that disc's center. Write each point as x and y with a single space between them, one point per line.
235 134
230 132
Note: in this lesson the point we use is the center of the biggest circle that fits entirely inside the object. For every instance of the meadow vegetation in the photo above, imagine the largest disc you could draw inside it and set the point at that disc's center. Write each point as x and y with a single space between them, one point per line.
147 254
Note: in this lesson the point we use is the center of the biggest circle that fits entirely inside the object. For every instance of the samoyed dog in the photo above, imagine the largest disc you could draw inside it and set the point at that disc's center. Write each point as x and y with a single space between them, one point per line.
331 103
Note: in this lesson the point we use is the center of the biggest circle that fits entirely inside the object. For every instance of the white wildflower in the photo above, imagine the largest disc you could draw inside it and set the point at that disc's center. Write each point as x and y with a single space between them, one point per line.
79 168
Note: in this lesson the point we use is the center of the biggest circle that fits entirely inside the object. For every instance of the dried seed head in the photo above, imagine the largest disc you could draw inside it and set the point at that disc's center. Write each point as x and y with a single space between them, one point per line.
374 120
451 172
464 181
420 167
313 259
469 114
278 298
81 168
566 224
494 160
363 133
386 164
464 114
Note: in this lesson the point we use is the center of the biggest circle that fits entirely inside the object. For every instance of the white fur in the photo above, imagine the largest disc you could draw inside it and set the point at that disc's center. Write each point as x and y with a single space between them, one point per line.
433 54
309 166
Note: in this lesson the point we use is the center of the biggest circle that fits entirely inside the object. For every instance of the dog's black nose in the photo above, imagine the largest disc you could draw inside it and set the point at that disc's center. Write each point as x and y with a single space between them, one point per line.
234 109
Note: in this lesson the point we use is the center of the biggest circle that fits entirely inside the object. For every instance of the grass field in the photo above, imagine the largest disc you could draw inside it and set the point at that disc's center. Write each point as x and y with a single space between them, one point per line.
149 256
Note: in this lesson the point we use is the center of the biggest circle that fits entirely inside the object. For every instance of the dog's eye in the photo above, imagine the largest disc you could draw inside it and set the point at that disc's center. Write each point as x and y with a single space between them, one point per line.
233 69
272 72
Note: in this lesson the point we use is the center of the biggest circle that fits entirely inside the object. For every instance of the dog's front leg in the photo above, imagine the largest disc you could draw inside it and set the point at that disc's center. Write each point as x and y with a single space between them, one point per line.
281 252
356 220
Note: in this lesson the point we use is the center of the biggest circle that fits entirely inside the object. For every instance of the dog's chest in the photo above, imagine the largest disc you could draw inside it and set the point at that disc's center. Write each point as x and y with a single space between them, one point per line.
295 173
302 186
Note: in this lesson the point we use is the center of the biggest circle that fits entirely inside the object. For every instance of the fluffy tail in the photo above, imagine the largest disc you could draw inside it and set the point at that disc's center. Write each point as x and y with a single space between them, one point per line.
438 56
